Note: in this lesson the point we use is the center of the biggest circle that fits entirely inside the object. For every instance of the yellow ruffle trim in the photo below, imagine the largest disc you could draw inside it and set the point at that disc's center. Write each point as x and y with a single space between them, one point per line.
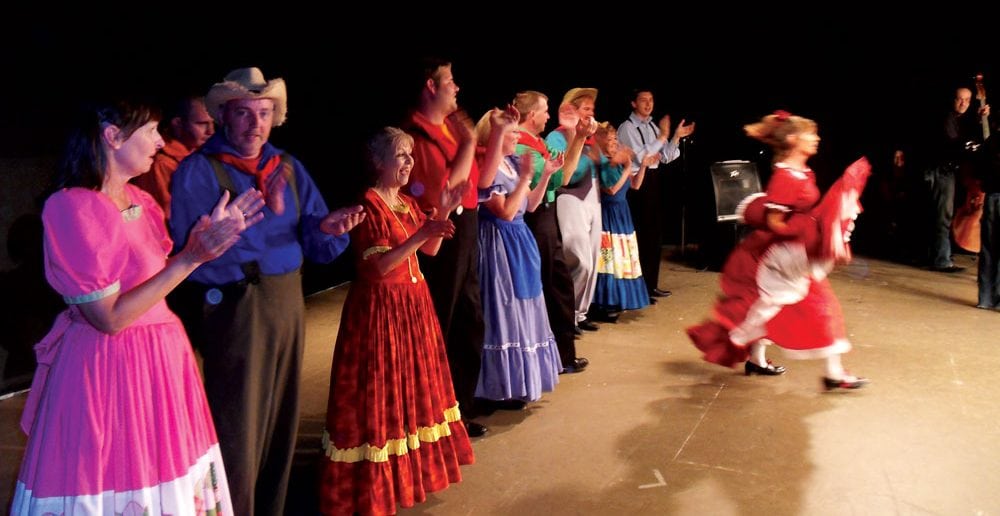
396 447
378 249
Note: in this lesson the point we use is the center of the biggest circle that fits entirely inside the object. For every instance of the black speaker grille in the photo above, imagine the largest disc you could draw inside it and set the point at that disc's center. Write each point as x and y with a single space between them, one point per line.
733 181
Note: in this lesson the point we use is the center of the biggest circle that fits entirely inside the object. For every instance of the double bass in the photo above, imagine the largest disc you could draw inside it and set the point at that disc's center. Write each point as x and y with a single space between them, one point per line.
965 224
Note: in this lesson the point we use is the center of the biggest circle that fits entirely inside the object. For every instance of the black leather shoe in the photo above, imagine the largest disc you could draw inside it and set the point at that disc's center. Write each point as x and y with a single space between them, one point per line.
768 370
509 404
608 317
659 293
949 269
577 330
652 300
587 325
576 366
847 382
475 429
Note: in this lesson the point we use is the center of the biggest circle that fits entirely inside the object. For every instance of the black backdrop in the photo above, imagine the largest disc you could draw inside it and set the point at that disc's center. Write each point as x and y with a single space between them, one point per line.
872 84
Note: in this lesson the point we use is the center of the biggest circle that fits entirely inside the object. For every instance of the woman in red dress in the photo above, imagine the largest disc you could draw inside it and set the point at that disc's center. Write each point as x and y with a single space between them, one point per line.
775 286
393 429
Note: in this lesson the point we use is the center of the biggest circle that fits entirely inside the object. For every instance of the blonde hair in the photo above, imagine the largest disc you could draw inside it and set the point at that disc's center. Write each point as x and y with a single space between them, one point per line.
527 101
774 130
382 147
604 129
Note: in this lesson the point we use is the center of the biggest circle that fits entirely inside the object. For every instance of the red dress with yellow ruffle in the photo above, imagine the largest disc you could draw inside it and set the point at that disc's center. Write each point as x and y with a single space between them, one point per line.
393 428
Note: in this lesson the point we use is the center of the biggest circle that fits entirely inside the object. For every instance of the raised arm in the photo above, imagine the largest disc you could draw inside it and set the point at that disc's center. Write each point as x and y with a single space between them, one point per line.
501 122
462 165
211 236
538 192
584 129
506 206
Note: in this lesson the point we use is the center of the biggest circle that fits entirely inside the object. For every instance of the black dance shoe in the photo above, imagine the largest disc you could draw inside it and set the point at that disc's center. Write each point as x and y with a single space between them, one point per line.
659 293
576 366
768 370
587 325
508 404
475 429
847 382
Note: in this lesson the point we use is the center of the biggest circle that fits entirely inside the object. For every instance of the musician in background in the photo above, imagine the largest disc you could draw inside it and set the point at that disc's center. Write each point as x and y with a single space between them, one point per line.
954 149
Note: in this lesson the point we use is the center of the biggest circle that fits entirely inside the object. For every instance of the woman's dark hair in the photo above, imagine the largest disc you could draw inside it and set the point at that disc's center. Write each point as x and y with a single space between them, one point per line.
83 161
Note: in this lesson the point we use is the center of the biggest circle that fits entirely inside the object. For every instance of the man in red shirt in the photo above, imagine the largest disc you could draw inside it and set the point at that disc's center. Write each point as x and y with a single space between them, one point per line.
186 127
443 154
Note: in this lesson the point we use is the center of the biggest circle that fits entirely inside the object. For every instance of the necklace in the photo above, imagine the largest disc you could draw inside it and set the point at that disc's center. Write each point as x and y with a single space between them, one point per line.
401 207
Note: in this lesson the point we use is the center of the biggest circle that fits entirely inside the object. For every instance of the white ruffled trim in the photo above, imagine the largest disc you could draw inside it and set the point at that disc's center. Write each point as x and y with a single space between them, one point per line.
741 208
777 207
796 172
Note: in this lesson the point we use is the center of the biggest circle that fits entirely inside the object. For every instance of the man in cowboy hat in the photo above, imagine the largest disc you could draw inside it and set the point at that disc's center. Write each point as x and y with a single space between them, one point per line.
249 323
578 206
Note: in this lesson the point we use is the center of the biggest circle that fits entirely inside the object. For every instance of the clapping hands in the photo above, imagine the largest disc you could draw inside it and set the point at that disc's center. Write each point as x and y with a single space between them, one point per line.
213 234
338 222
451 197
275 186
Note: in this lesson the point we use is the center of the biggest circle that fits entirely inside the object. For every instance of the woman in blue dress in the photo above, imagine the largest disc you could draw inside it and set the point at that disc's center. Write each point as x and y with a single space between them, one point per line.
619 277
520 357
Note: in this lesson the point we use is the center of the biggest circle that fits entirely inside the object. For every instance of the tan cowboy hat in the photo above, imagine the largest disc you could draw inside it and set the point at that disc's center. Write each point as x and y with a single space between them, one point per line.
576 93
247 83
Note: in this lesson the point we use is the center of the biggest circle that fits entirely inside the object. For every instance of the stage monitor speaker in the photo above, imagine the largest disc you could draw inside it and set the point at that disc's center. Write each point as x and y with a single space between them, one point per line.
733 181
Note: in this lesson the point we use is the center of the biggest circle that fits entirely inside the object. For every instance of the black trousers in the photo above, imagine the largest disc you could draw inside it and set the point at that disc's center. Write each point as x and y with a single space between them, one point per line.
557 284
647 216
453 280
252 339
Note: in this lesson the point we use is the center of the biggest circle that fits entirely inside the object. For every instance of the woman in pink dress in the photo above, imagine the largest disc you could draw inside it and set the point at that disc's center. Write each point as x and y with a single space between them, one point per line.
117 420
775 286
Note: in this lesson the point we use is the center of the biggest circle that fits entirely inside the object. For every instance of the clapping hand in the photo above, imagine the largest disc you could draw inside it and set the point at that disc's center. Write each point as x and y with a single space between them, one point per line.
245 208
433 228
462 121
451 196
338 222
553 164
622 156
213 234
683 131
664 126
505 119
526 166
275 186
587 127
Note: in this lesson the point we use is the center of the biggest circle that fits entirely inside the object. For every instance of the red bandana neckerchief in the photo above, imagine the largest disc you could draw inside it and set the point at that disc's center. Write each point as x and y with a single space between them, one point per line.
535 143
251 166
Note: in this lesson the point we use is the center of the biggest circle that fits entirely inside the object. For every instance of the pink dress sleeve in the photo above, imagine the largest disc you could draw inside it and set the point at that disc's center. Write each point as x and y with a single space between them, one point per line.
86 249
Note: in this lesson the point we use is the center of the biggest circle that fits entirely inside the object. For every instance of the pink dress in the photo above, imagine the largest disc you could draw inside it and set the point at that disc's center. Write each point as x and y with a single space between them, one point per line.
116 424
